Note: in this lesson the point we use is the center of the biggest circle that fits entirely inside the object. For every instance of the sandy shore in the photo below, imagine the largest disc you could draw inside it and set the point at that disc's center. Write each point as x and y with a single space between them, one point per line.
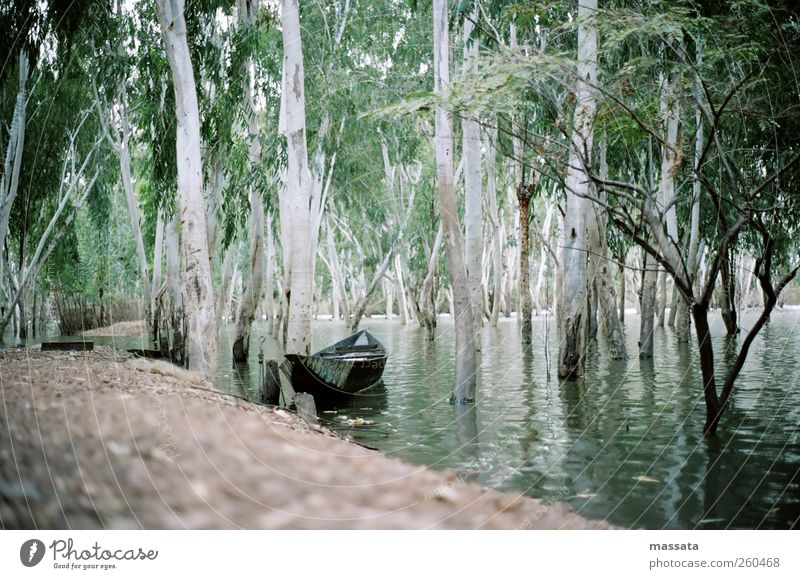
93 440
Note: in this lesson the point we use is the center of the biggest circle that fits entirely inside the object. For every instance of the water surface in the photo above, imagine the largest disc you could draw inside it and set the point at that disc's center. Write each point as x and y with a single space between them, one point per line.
624 443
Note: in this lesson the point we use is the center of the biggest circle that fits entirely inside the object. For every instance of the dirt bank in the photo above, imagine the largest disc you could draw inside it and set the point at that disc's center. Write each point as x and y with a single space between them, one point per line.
92 440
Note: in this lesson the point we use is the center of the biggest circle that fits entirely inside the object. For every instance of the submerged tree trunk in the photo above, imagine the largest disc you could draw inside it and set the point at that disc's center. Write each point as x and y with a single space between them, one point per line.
674 299
700 317
465 355
600 270
201 335
573 319
251 296
427 302
728 295
648 298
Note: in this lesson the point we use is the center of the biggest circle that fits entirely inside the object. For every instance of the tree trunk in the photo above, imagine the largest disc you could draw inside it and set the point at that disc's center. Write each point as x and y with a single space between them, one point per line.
603 289
573 321
728 297
158 257
473 211
648 307
670 161
402 301
700 317
543 253
251 296
201 335
692 261
661 298
525 309
171 318
622 297
465 355
300 267
123 153
674 299
9 181
497 227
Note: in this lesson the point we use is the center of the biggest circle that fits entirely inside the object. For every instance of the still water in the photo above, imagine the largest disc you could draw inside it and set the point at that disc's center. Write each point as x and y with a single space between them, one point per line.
624 443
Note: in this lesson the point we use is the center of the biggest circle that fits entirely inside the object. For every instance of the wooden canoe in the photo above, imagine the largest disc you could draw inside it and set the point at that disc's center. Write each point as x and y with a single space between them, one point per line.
345 368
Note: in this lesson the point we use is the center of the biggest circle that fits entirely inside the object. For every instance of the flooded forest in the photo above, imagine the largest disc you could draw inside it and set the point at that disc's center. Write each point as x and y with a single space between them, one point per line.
545 249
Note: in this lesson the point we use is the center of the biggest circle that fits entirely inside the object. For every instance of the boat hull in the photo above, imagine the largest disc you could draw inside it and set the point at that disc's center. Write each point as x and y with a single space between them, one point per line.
331 377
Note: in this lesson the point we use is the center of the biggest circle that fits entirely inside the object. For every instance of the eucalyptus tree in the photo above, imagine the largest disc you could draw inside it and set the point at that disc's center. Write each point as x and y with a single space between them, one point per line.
466 362
251 296
296 218
473 177
573 317
201 333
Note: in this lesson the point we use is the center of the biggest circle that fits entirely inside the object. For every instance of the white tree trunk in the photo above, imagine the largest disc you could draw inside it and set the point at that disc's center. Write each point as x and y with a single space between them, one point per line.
9 181
201 338
473 210
298 185
683 315
269 303
158 255
572 323
545 234
251 296
671 158
465 356
123 153
497 227
402 301
600 269
648 305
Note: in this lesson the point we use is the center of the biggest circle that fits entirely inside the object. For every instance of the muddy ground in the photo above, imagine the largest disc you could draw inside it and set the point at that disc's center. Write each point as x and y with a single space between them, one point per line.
98 440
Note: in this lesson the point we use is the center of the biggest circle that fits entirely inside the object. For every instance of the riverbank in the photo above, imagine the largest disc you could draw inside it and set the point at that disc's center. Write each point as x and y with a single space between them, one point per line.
97 440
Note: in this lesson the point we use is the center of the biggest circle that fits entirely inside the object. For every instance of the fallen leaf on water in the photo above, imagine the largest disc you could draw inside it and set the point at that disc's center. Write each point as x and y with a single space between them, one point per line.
645 478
